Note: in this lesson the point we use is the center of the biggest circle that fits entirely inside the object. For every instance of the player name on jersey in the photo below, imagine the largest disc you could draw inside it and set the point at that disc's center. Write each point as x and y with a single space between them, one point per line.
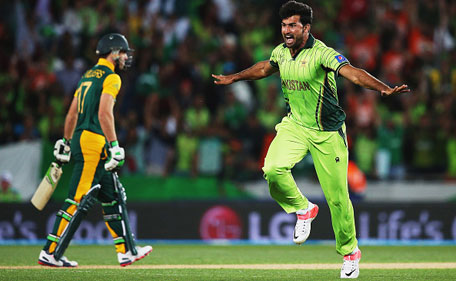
94 73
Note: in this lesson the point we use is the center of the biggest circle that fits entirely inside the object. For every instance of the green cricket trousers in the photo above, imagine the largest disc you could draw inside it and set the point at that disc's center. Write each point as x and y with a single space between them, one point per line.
330 155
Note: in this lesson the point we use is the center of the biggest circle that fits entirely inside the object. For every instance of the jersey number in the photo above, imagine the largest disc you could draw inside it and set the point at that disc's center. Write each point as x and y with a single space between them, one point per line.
82 92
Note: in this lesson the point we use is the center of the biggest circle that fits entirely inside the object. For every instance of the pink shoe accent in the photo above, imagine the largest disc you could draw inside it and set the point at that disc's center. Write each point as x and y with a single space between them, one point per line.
312 213
352 257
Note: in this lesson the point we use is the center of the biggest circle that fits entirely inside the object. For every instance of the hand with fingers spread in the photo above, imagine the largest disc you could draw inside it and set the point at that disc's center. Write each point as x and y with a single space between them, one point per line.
396 90
223 79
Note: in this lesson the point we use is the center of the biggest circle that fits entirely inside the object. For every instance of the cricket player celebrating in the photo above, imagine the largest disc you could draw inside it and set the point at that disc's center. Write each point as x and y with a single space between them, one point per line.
315 124
90 137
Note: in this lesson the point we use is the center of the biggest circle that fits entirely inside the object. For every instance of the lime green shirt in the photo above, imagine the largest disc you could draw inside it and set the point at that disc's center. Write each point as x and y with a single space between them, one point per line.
309 84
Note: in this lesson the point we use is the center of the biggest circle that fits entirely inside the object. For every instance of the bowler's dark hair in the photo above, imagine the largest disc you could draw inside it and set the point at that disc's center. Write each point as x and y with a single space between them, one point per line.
292 8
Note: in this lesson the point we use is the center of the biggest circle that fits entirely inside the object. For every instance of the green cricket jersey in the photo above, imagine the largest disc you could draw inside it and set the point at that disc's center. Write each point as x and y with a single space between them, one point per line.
309 84
99 79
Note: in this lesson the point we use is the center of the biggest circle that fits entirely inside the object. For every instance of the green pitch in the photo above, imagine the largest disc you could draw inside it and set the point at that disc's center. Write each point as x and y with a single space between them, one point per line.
205 262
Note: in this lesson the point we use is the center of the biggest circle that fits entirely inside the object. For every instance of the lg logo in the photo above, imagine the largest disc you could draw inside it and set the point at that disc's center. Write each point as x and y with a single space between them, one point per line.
280 226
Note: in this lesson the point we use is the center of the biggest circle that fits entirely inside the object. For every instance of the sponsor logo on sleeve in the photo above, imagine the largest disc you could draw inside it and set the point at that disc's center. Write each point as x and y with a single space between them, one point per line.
340 58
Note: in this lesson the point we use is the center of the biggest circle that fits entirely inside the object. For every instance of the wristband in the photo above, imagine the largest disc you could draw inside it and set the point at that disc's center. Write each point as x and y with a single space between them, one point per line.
113 143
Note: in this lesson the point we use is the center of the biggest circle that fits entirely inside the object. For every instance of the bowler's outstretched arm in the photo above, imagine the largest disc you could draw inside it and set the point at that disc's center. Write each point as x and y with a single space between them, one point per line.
364 79
257 71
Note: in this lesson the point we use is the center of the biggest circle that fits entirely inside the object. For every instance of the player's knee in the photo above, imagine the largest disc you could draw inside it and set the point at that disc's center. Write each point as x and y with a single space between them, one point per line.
335 203
272 172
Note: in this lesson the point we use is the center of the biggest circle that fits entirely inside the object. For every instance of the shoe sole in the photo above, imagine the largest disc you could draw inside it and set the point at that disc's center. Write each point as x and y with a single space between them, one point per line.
141 257
43 263
311 220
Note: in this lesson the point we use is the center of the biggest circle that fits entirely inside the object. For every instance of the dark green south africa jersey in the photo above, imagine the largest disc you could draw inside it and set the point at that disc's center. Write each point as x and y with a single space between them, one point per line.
309 84
99 79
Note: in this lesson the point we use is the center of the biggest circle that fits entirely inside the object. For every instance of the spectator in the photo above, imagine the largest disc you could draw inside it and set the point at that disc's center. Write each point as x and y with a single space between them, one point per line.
272 111
389 158
68 76
186 146
451 154
365 149
8 193
179 43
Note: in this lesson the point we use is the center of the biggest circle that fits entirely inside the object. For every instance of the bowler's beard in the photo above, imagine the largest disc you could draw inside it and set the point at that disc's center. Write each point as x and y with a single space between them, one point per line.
297 42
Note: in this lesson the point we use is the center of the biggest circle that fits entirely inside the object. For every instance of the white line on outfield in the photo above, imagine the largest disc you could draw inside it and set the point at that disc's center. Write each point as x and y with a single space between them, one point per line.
432 265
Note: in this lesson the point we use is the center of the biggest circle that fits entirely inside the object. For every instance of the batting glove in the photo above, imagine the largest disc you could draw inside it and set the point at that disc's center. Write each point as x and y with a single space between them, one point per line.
62 150
116 156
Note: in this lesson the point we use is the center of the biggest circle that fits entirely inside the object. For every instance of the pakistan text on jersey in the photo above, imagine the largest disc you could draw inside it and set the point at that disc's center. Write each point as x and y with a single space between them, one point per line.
94 73
295 85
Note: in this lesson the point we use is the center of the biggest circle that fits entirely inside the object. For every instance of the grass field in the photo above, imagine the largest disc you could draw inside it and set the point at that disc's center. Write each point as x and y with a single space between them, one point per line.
206 262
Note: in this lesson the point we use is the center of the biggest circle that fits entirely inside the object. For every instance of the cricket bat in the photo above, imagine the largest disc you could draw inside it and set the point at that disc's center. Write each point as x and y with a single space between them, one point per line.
47 186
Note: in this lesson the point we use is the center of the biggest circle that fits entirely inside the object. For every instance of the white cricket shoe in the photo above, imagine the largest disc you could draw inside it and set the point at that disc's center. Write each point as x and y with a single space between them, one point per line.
350 268
128 258
302 228
47 259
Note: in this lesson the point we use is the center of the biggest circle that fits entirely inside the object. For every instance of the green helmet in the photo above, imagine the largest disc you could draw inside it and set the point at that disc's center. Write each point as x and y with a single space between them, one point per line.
114 42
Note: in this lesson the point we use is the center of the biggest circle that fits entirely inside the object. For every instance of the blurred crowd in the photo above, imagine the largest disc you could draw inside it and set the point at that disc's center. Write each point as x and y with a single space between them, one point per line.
7 192
172 119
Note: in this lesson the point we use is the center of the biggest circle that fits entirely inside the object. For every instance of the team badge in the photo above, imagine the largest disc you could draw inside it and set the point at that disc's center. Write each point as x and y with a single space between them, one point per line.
303 63
340 58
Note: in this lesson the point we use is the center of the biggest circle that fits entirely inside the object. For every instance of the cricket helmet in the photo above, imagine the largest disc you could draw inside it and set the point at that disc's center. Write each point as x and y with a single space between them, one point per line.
114 42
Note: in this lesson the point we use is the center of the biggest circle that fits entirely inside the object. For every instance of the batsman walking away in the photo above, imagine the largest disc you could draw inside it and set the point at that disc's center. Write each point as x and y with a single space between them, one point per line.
90 140
315 124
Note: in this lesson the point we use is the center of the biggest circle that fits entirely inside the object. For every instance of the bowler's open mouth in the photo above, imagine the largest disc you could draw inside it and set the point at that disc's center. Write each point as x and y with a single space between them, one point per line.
289 39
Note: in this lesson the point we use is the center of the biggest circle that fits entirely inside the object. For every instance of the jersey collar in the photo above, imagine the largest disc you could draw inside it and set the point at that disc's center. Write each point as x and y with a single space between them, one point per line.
310 42
105 62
